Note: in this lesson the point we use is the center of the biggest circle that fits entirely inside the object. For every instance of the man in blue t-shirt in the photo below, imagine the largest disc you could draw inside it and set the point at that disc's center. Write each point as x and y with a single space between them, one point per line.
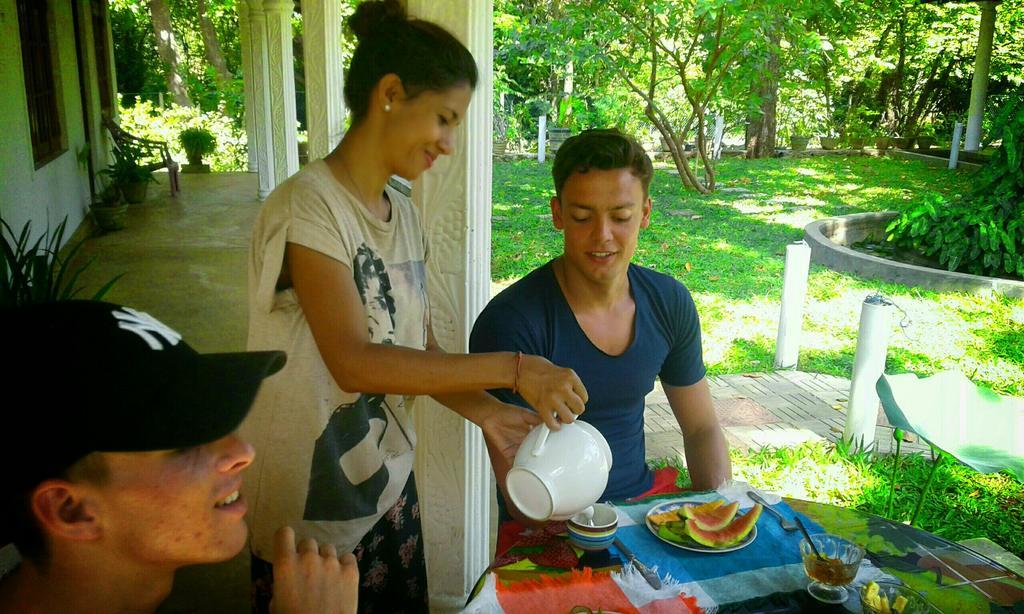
618 325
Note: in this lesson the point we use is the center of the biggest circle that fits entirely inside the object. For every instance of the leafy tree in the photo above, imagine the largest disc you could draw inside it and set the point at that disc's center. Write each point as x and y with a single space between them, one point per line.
673 57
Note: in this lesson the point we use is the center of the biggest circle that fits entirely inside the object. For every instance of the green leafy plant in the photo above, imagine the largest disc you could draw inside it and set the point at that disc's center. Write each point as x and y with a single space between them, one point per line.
125 169
197 142
36 272
983 232
856 125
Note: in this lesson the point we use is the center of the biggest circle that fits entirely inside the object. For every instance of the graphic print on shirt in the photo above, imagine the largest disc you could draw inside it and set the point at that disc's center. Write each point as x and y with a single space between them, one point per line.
346 479
374 287
347 474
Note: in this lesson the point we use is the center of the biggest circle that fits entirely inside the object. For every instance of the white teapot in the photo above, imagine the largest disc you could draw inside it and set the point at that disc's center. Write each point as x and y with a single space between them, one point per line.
556 474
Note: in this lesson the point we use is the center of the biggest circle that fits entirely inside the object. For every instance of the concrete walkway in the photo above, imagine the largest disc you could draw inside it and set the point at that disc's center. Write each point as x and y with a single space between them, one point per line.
184 262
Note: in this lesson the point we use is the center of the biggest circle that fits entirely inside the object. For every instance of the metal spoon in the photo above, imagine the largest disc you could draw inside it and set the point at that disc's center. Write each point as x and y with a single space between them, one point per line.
807 536
786 525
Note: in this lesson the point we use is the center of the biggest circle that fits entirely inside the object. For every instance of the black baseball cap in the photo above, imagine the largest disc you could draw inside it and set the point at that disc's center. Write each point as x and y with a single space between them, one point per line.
89 376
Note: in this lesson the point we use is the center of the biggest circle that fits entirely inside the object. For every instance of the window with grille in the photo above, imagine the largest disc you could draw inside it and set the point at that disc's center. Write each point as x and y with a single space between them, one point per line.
40 84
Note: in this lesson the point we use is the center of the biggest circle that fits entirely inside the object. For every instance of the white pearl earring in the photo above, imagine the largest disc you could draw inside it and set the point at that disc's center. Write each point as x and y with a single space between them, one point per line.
387 107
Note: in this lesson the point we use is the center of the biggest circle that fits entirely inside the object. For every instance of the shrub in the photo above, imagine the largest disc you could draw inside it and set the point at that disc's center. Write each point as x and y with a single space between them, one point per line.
150 121
983 232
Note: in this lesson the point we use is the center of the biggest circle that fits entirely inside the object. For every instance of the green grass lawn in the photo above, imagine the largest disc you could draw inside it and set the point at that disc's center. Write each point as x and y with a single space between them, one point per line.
732 260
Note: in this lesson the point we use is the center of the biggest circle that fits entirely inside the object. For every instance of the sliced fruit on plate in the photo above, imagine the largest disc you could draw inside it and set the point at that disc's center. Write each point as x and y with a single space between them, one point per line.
732 534
703 508
714 519
664 517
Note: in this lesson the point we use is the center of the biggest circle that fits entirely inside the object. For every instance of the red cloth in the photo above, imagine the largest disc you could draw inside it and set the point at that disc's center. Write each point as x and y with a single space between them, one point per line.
510 531
593 590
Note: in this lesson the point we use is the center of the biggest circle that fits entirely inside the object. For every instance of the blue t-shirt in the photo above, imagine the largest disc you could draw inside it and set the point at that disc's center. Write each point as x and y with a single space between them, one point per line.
533 316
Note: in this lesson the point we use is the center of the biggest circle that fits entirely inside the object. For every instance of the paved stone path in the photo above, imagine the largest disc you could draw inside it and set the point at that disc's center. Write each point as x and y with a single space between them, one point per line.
782 408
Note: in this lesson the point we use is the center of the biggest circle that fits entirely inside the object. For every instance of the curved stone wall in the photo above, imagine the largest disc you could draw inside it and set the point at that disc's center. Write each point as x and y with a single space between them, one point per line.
829 240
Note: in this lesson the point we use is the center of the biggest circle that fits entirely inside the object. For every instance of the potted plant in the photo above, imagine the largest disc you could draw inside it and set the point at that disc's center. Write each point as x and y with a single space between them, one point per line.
197 142
882 143
856 130
926 136
109 210
903 142
130 177
501 129
799 136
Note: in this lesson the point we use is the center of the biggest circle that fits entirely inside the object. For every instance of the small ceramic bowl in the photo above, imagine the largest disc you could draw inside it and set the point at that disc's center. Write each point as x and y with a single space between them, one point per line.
915 604
599 533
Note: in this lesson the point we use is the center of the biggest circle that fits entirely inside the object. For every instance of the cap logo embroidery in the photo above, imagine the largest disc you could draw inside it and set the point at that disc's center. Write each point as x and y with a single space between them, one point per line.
146 326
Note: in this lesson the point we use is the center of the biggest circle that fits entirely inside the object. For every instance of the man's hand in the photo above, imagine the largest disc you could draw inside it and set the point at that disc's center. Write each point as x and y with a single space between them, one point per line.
555 392
311 579
506 427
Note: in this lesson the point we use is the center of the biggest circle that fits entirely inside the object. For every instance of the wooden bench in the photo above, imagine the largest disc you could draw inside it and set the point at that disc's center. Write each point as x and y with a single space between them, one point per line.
155 154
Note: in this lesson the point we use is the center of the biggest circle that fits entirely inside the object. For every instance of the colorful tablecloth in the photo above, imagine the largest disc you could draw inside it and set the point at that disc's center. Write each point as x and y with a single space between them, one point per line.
767 575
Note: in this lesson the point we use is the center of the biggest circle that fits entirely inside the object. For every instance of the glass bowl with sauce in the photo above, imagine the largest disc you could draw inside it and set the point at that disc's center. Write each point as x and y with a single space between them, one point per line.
831 574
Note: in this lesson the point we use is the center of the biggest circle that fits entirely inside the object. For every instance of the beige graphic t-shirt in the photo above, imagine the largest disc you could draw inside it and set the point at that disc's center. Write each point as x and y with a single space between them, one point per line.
328 462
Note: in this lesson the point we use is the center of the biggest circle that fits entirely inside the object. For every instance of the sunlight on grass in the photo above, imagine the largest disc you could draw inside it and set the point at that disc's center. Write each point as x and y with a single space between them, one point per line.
807 172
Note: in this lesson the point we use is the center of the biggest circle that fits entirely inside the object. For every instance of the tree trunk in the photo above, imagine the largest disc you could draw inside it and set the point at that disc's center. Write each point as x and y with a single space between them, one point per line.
212 46
761 124
166 47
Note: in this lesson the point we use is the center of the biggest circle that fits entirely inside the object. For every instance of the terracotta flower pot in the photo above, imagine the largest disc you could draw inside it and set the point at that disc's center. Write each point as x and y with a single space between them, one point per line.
110 217
799 143
135 193
828 143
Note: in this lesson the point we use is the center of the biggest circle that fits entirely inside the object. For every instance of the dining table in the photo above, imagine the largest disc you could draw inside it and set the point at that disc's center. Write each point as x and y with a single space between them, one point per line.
538 570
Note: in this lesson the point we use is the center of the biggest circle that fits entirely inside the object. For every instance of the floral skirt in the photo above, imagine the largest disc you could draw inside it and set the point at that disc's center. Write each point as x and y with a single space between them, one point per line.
392 569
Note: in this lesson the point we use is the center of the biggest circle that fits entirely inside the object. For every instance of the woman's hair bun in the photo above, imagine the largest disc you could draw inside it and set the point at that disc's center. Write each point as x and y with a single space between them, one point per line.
375 15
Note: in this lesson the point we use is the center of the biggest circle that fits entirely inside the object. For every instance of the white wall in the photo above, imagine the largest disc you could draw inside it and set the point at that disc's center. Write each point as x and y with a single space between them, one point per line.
59 189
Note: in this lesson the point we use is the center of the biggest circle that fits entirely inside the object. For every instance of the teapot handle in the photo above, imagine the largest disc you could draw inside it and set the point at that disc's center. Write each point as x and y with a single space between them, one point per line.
542 438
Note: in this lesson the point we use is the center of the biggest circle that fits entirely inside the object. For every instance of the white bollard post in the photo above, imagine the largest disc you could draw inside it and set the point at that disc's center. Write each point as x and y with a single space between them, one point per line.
716 150
542 134
791 314
868 364
954 149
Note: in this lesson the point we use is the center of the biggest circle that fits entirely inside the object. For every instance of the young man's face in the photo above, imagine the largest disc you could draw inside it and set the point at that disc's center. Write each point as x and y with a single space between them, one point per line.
601 213
171 507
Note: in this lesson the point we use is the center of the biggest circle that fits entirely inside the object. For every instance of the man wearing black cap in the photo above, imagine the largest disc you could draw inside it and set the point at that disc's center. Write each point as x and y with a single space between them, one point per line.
129 468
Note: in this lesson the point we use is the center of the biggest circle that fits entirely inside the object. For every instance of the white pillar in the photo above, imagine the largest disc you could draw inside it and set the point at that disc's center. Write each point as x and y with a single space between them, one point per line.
954 148
325 102
791 313
453 473
719 134
868 365
245 42
979 85
282 88
264 142
542 134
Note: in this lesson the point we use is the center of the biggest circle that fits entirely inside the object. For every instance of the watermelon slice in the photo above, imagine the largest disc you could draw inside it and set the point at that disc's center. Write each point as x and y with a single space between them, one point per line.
703 508
715 519
732 534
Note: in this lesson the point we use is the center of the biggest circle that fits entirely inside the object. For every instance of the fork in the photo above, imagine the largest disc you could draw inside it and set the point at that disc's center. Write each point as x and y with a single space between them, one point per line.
787 525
